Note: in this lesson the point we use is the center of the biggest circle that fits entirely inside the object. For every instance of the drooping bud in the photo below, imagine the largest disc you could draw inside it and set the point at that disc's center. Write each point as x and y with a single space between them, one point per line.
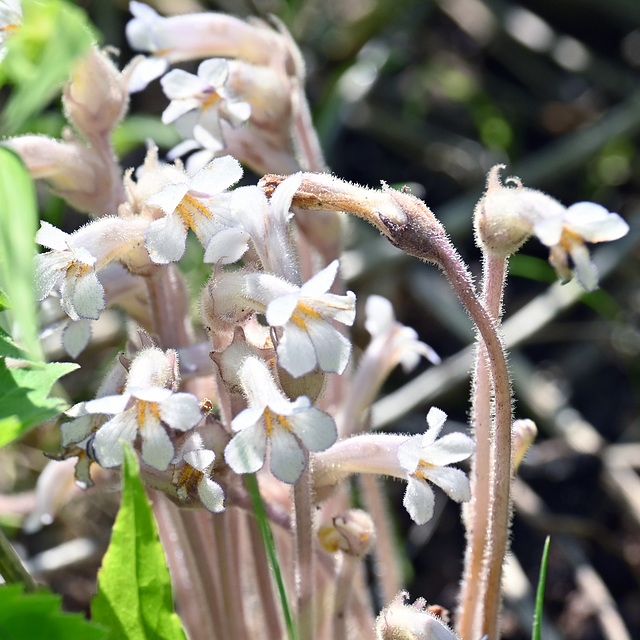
351 532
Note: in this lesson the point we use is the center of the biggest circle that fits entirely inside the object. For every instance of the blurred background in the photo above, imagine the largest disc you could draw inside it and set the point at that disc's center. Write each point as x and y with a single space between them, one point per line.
431 94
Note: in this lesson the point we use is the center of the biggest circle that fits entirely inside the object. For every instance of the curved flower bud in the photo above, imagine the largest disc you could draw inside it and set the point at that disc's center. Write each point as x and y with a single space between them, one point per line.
290 428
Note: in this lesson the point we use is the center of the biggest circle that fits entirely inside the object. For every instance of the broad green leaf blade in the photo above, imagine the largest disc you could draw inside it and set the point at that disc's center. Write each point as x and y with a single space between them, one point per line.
40 56
24 396
39 615
18 226
134 590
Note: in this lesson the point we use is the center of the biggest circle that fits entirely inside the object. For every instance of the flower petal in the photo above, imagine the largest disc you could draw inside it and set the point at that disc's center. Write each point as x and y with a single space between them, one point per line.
87 294
315 428
108 441
108 404
166 239
287 459
409 453
227 246
181 411
214 72
453 482
52 237
593 223
296 352
586 271
321 282
76 336
199 459
211 495
379 315
450 448
280 310
49 268
157 448
246 451
217 176
179 85
419 500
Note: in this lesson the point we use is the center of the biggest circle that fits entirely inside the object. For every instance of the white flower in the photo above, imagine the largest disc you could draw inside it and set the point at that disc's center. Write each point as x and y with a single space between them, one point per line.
145 411
146 408
426 458
308 340
205 93
198 464
398 342
582 222
290 428
191 203
10 20
263 221
506 216
72 269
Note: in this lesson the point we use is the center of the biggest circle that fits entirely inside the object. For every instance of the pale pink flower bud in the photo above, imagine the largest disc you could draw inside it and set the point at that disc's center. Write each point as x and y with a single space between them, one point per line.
96 99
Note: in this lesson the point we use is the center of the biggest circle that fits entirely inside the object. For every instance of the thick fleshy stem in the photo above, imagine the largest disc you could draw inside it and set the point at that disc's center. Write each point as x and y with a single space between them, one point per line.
475 578
409 225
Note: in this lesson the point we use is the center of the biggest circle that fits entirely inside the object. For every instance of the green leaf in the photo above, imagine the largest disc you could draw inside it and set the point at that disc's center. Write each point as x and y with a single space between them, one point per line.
134 590
39 615
18 225
40 55
537 616
272 552
24 396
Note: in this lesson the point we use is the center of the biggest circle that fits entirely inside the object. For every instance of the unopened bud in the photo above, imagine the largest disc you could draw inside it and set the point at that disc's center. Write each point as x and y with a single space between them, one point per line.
96 98
351 532
524 433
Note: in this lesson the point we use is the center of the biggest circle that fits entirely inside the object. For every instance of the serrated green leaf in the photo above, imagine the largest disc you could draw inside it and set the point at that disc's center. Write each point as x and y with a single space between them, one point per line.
18 226
39 615
40 55
24 396
134 589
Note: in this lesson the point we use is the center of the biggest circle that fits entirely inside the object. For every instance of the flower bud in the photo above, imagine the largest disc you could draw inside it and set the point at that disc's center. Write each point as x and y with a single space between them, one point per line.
351 532
524 433
96 98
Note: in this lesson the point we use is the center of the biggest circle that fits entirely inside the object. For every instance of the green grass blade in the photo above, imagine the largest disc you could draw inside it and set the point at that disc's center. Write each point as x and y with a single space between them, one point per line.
537 616
267 537
18 226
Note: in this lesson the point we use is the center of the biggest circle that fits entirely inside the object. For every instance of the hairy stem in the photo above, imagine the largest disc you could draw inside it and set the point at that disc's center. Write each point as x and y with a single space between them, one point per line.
305 577
474 581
